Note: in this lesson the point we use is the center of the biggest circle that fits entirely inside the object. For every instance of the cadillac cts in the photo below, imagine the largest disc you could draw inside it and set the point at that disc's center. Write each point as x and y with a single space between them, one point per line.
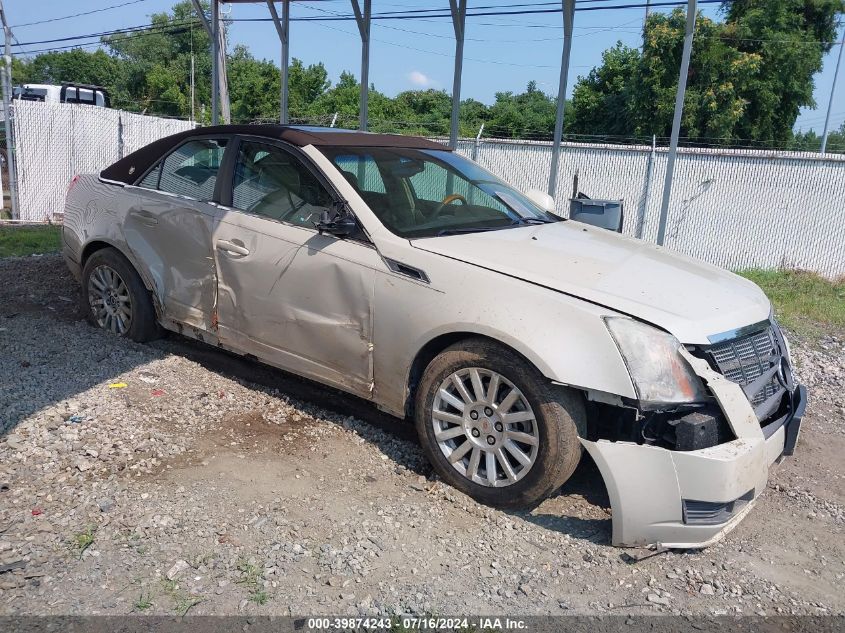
396 270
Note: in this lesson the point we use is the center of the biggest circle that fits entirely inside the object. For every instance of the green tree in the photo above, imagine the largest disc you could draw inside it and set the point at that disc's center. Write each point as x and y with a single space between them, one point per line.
790 37
306 84
749 74
530 114
156 63
254 87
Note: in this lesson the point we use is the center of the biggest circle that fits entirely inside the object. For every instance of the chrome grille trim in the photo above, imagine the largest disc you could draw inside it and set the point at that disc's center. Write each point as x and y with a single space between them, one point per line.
752 360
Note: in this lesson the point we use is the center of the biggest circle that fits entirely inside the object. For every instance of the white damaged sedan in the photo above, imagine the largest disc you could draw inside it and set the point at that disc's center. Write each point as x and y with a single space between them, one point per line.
396 270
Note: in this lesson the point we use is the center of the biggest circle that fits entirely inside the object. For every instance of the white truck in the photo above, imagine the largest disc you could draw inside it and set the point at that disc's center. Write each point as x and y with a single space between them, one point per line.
64 93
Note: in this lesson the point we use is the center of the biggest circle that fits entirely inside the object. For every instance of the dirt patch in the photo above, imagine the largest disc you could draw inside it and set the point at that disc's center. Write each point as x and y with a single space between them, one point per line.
145 497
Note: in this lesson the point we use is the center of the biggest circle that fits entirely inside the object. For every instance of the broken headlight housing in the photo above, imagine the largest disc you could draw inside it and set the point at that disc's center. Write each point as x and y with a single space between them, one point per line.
659 372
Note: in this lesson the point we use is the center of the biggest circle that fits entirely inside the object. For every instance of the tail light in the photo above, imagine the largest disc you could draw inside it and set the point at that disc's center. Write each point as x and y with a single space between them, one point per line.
72 183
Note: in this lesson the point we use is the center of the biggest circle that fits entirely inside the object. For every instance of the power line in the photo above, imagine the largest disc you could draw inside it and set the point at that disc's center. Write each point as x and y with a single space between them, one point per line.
76 15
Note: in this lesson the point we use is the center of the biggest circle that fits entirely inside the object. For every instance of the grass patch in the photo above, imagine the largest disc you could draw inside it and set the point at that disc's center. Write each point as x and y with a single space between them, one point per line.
182 600
143 602
251 577
18 241
806 303
82 541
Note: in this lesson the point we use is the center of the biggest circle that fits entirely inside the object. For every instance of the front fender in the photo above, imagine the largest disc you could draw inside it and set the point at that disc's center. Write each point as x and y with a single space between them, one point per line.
564 337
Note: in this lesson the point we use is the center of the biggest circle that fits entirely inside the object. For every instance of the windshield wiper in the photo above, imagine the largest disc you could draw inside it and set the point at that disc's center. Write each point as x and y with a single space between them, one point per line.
479 229
532 221
471 229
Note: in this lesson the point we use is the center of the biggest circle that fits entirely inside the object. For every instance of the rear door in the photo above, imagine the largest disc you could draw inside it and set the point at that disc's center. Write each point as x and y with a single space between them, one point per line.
290 296
169 229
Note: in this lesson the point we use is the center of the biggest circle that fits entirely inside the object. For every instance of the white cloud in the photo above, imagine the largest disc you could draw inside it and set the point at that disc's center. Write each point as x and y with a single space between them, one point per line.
420 79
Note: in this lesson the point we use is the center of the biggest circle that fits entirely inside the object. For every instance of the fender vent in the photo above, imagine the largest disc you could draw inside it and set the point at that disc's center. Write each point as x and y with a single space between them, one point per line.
407 271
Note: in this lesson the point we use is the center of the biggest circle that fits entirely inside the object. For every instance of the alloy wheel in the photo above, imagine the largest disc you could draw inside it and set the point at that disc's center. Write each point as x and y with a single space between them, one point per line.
485 427
108 296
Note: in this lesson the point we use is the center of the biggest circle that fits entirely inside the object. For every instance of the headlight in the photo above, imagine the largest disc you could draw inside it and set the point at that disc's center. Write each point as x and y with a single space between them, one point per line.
659 373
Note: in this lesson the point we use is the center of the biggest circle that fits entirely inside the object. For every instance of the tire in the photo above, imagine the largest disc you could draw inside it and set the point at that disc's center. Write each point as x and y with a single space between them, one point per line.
558 415
134 318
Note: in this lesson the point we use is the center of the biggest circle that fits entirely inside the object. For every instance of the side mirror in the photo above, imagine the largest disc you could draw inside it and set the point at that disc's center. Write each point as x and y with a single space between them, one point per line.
338 222
542 200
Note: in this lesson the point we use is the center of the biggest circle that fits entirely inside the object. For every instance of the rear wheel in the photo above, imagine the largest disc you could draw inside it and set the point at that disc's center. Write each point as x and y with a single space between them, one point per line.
115 299
494 427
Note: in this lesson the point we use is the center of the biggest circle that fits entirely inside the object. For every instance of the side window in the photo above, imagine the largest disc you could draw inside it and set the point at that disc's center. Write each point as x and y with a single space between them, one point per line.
362 172
150 181
191 169
271 182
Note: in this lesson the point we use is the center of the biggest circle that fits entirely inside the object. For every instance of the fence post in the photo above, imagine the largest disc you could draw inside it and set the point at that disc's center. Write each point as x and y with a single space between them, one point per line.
11 164
568 19
676 122
120 142
475 145
646 189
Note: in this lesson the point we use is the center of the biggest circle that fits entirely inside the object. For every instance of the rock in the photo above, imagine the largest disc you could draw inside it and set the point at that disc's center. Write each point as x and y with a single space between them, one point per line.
707 589
82 464
106 505
656 599
178 567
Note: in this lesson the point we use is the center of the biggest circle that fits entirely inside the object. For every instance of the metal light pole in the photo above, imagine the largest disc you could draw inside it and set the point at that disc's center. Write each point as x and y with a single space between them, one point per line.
459 15
283 29
832 92
7 108
676 122
568 19
363 21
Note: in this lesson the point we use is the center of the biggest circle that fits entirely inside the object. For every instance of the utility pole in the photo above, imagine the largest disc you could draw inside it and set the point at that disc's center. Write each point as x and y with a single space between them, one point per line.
676 121
215 62
225 105
459 16
7 110
363 20
193 90
568 19
219 81
832 92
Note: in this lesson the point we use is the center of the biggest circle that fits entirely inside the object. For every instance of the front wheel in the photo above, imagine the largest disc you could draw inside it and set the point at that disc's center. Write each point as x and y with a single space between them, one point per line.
494 427
115 299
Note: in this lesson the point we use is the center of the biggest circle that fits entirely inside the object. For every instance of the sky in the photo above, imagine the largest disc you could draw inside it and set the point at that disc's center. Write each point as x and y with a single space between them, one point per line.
502 53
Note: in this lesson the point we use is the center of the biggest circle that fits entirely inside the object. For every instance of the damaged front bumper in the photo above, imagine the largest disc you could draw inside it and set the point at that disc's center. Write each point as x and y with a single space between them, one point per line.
690 499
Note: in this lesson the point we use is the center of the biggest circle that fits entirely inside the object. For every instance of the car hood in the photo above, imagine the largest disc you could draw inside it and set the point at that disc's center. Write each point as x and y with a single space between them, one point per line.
688 298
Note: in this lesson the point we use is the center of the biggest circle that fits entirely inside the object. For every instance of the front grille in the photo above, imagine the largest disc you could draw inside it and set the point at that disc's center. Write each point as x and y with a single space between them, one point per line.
745 359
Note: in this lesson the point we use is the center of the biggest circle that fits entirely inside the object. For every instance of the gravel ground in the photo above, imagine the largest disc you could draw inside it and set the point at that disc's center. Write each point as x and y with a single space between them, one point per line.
212 485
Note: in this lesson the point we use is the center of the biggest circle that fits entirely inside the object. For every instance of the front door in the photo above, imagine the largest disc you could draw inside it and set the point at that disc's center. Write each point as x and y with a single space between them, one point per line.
290 296
169 230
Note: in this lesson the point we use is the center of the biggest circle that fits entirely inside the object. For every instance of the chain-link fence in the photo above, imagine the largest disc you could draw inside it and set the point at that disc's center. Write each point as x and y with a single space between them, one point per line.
56 141
733 208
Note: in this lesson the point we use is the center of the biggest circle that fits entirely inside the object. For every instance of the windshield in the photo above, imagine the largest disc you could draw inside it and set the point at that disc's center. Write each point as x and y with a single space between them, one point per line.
422 193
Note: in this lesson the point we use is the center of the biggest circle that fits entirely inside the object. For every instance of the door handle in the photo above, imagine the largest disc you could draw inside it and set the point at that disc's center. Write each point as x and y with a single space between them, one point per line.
232 248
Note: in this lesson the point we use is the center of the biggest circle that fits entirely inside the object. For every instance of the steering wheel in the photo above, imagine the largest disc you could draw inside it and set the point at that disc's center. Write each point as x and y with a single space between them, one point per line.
452 197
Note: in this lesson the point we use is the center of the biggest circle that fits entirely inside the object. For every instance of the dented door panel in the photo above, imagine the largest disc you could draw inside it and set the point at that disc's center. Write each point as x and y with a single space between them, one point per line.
171 238
298 300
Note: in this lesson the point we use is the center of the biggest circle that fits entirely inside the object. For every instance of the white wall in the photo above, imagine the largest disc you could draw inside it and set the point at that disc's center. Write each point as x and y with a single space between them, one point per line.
56 141
733 208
